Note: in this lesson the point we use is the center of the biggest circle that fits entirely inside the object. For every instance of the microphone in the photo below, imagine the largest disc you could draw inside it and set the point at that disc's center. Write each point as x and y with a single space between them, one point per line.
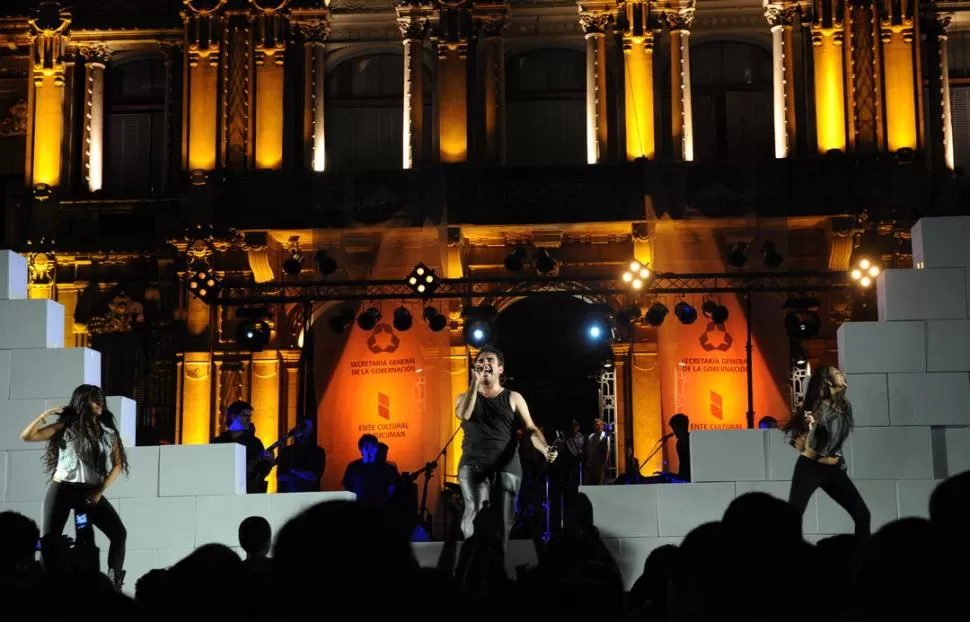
667 437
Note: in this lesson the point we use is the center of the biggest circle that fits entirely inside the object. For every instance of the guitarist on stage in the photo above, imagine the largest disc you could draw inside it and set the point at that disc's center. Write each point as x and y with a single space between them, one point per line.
239 430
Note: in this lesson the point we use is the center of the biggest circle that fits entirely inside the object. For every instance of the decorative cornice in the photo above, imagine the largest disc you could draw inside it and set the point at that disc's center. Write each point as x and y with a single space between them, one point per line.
414 18
95 54
492 17
680 19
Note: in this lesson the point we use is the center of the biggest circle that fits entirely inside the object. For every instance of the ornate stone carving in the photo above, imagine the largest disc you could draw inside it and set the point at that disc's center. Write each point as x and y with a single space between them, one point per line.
779 14
414 18
315 32
269 23
202 36
680 19
16 123
123 313
48 30
491 17
41 268
95 54
595 22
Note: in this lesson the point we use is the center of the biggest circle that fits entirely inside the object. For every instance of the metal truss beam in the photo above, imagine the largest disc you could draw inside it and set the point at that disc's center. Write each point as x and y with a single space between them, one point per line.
246 293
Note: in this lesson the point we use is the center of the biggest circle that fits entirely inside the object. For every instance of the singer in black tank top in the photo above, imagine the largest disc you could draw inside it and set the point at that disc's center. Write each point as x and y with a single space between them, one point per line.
490 444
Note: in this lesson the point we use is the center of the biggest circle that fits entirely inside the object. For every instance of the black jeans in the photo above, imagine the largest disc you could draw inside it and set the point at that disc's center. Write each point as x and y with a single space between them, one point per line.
499 489
63 497
810 474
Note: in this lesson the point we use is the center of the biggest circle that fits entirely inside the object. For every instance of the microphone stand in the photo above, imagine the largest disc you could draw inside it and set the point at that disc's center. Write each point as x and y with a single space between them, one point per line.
658 446
428 470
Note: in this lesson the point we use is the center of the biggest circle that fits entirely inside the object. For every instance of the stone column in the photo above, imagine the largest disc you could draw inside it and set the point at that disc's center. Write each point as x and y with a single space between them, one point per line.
492 18
781 17
943 22
638 54
899 74
48 31
314 32
646 406
828 33
679 22
595 19
269 37
264 386
454 23
200 94
92 157
414 20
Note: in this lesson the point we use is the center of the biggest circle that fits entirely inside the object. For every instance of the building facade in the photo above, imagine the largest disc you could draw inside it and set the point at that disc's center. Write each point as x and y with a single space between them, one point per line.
142 145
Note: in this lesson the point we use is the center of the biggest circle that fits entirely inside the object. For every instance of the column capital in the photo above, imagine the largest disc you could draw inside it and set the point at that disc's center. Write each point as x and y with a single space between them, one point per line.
780 13
596 16
637 19
943 22
680 19
452 27
414 18
828 15
49 27
492 17
95 53
314 32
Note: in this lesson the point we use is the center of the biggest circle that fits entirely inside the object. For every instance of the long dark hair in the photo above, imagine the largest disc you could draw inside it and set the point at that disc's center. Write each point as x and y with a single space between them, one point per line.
819 389
78 418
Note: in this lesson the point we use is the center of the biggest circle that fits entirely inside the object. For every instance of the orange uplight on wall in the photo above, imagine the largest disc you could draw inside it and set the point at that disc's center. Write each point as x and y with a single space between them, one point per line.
203 113
898 76
269 111
829 89
48 129
195 395
453 113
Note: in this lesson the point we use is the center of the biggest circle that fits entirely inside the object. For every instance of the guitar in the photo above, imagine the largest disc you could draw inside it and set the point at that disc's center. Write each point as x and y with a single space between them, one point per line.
251 474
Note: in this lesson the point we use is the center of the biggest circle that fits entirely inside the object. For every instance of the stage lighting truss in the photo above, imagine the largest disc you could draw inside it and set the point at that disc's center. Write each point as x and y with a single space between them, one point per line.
496 288
865 272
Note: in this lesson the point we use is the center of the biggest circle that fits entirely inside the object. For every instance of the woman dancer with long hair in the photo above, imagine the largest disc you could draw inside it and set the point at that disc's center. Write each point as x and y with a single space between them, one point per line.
84 456
818 432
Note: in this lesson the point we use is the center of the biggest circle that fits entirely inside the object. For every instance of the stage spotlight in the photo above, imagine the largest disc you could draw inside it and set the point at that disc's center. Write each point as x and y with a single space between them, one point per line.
423 280
656 314
325 263
369 319
720 315
402 319
598 327
341 320
253 332
798 356
738 256
436 321
803 324
708 308
515 260
864 272
685 312
205 286
628 315
637 275
544 261
293 264
770 255
479 326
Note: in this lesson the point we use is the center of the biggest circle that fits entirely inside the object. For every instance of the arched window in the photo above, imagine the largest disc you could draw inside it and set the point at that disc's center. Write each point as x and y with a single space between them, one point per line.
730 99
365 113
546 107
134 127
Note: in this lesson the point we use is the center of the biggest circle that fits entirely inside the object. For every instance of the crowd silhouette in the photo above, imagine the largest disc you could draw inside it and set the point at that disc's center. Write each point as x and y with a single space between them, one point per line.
343 558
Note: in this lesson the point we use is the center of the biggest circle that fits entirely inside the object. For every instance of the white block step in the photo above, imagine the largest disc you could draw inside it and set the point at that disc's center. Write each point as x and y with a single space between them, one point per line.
947 345
780 490
727 455
632 554
624 511
142 479
682 507
869 394
13 276
951 451
929 399
126 417
159 523
283 507
941 242
26 324
891 453
15 415
51 373
880 497
913 497
882 347
218 518
936 294
34 510
26 479
781 456
190 470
